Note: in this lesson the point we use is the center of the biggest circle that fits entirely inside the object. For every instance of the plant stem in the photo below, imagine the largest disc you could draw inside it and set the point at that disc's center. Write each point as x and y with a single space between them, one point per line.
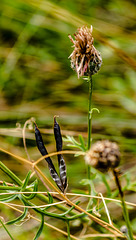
10 174
6 229
10 188
89 113
89 123
68 230
125 211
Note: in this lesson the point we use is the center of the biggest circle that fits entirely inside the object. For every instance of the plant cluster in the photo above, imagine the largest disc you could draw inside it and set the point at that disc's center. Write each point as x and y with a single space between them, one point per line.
101 156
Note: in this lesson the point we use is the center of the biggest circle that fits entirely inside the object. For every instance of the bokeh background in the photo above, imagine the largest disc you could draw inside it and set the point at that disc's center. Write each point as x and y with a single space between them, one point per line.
37 81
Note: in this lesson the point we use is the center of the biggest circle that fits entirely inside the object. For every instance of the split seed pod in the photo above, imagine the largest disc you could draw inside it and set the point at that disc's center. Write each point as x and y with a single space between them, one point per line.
61 161
44 152
103 155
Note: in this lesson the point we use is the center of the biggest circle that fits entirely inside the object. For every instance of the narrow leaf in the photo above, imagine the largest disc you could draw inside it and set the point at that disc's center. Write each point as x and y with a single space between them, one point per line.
40 228
26 181
70 209
35 189
9 199
82 143
10 174
20 218
50 198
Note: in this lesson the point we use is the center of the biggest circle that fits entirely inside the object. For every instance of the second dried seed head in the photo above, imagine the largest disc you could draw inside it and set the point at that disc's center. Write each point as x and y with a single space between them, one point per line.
85 59
103 155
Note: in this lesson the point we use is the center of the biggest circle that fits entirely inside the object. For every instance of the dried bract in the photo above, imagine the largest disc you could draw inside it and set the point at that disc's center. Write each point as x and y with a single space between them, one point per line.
103 155
85 59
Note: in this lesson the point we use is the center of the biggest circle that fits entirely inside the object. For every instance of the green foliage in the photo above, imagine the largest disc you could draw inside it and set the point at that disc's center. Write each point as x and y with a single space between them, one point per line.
40 228
73 143
21 217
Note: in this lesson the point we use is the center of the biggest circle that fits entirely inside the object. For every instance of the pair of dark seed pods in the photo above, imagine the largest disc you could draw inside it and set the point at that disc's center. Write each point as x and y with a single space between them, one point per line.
61 179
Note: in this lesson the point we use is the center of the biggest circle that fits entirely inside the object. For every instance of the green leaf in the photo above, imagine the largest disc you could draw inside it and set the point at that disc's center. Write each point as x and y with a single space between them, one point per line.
9 199
81 139
40 228
128 179
26 181
4 184
85 182
75 144
10 174
69 210
35 189
50 198
21 217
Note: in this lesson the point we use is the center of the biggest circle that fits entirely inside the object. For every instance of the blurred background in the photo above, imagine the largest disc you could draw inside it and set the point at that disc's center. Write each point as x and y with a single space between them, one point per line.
37 81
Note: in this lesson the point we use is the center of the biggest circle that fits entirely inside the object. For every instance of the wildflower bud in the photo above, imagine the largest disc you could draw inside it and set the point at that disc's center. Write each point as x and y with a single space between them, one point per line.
103 155
85 59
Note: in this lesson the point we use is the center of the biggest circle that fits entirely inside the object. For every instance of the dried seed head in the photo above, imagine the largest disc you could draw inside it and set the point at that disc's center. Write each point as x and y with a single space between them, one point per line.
124 229
85 59
103 155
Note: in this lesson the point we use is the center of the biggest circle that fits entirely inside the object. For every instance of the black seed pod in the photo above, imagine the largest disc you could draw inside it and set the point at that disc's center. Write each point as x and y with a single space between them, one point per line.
61 161
40 144
62 171
44 152
55 177
57 135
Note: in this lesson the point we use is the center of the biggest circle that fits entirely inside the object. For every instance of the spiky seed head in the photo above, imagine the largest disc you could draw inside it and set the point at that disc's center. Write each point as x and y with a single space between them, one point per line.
103 155
85 59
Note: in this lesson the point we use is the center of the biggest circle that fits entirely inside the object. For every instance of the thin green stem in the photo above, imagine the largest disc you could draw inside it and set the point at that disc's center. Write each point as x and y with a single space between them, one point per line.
125 211
89 123
6 229
89 113
68 230
10 174
10 188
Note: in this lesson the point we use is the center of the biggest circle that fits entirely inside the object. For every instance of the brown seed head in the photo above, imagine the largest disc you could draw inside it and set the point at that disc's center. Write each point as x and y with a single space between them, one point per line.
85 59
103 155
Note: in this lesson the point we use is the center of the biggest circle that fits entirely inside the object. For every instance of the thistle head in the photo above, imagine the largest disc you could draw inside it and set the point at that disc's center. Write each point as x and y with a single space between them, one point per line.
103 155
85 59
